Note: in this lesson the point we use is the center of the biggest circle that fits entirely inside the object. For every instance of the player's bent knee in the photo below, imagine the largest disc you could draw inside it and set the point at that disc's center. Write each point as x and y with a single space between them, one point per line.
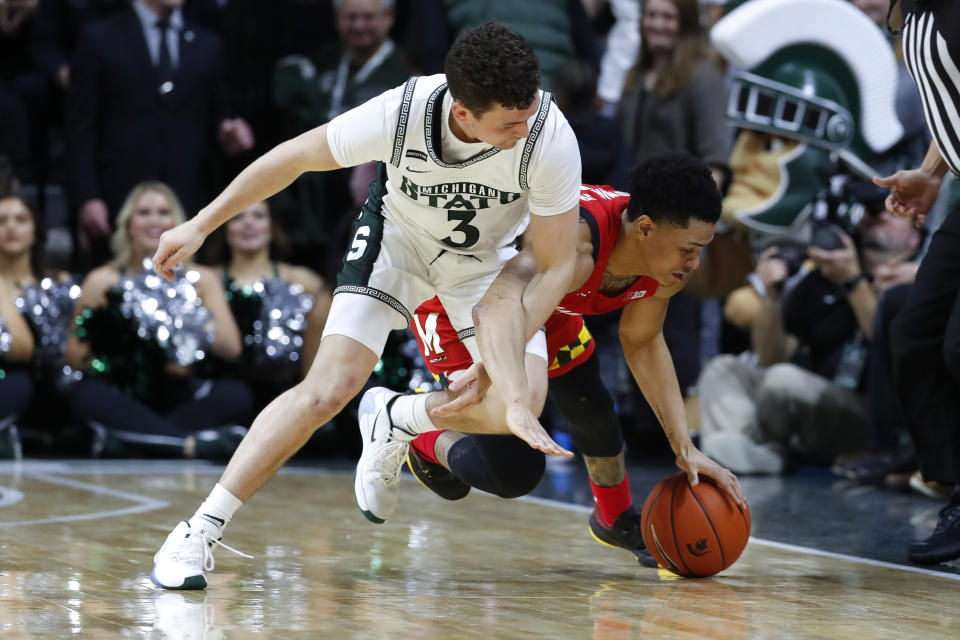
519 480
504 466
328 400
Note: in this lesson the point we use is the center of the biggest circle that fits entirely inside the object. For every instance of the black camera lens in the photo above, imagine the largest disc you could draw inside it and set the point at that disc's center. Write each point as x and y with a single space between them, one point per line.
827 236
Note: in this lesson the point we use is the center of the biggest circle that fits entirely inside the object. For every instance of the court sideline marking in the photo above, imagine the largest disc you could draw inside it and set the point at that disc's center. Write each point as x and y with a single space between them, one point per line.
770 543
142 503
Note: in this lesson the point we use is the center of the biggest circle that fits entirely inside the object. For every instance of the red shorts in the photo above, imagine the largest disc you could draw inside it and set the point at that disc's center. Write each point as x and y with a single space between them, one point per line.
569 343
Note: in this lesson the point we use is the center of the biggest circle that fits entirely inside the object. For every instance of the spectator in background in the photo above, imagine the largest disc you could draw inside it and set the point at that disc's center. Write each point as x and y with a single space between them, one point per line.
308 90
604 157
16 389
16 351
21 88
139 393
621 47
146 100
558 30
45 298
675 99
280 308
256 35
58 27
14 147
811 332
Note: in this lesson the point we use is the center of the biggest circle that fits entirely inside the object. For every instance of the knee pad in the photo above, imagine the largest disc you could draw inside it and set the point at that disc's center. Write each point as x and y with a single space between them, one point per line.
502 465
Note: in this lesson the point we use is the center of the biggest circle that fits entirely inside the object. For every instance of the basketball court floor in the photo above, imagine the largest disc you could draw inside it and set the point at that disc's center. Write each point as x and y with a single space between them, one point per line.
77 539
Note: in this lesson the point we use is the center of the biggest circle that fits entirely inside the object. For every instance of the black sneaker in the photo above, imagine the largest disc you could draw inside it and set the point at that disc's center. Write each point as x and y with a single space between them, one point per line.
943 544
624 533
436 477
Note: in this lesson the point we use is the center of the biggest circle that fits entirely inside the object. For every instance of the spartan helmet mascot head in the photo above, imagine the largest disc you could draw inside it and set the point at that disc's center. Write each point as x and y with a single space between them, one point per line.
816 84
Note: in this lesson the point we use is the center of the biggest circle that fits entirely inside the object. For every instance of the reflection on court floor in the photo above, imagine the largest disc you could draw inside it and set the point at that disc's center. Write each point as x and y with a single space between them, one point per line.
76 549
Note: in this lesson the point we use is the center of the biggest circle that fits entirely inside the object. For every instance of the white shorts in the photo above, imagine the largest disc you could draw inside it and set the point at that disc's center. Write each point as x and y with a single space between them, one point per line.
387 274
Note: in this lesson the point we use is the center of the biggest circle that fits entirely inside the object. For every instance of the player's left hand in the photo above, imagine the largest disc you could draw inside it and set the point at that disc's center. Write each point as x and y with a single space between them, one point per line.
694 462
472 385
524 424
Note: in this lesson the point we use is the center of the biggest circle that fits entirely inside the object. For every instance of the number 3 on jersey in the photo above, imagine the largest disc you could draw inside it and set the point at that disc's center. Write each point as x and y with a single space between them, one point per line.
359 244
470 233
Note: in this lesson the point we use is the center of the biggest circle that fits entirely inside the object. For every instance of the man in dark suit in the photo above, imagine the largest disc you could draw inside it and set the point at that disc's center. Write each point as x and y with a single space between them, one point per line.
146 99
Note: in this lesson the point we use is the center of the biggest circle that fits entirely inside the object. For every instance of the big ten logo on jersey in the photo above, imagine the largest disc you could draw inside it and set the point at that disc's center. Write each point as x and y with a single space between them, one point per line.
589 193
429 336
462 201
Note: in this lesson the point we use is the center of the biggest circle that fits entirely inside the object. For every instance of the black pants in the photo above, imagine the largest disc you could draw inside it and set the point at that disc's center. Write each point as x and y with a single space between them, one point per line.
886 420
16 392
194 406
926 356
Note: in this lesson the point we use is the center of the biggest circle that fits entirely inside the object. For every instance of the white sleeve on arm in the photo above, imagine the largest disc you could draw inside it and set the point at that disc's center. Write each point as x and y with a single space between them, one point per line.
365 133
623 45
555 173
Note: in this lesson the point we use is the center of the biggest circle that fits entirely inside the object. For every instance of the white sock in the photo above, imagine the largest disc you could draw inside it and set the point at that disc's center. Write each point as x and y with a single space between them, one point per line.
215 513
410 416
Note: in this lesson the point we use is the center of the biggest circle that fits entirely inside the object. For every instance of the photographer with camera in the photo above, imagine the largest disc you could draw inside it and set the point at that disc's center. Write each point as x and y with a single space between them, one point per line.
802 392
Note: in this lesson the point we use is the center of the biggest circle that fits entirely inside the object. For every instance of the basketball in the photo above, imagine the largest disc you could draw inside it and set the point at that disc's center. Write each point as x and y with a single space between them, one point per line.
693 531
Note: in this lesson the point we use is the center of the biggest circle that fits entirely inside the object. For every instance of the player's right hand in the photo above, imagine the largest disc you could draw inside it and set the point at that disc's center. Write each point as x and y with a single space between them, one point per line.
176 245
472 385
696 463
524 424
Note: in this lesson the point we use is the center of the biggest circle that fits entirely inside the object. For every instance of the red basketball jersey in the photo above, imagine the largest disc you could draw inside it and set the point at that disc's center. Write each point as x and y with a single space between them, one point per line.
601 208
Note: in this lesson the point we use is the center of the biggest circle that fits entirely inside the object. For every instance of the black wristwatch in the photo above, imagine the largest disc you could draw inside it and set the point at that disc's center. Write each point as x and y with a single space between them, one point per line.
851 284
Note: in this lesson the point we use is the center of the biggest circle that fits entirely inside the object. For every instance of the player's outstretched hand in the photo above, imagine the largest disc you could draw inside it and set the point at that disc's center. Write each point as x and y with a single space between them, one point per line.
525 426
912 193
696 462
472 385
176 245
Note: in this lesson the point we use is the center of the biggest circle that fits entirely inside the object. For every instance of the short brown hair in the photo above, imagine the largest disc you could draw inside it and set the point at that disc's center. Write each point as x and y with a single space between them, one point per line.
492 64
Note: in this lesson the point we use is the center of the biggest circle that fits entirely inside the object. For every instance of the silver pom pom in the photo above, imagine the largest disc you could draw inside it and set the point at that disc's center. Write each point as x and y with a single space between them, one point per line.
48 307
278 333
169 313
6 339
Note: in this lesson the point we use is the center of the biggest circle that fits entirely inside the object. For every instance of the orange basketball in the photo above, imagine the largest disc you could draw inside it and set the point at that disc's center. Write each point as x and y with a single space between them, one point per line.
693 531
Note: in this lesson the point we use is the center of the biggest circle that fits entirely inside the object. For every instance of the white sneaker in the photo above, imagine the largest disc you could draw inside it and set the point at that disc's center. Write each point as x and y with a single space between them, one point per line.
376 483
181 561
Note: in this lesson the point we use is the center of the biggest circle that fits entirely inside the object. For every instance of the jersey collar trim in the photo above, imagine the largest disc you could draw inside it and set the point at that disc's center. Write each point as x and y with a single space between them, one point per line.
433 124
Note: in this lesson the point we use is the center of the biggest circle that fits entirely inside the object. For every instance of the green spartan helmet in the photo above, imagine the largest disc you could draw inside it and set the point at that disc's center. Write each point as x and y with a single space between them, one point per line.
815 71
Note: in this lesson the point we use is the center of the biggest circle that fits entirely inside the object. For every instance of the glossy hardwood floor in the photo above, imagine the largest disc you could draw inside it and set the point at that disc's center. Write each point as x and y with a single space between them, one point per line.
76 546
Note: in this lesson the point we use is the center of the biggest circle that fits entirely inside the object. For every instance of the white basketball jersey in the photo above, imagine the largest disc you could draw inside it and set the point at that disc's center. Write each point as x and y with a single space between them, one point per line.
471 205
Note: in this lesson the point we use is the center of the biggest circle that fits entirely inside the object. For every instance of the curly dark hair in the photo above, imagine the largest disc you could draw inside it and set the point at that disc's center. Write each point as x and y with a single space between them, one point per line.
489 65
673 187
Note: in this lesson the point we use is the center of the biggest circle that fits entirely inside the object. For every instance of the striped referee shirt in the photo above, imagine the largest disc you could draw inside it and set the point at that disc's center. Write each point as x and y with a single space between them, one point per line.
931 49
